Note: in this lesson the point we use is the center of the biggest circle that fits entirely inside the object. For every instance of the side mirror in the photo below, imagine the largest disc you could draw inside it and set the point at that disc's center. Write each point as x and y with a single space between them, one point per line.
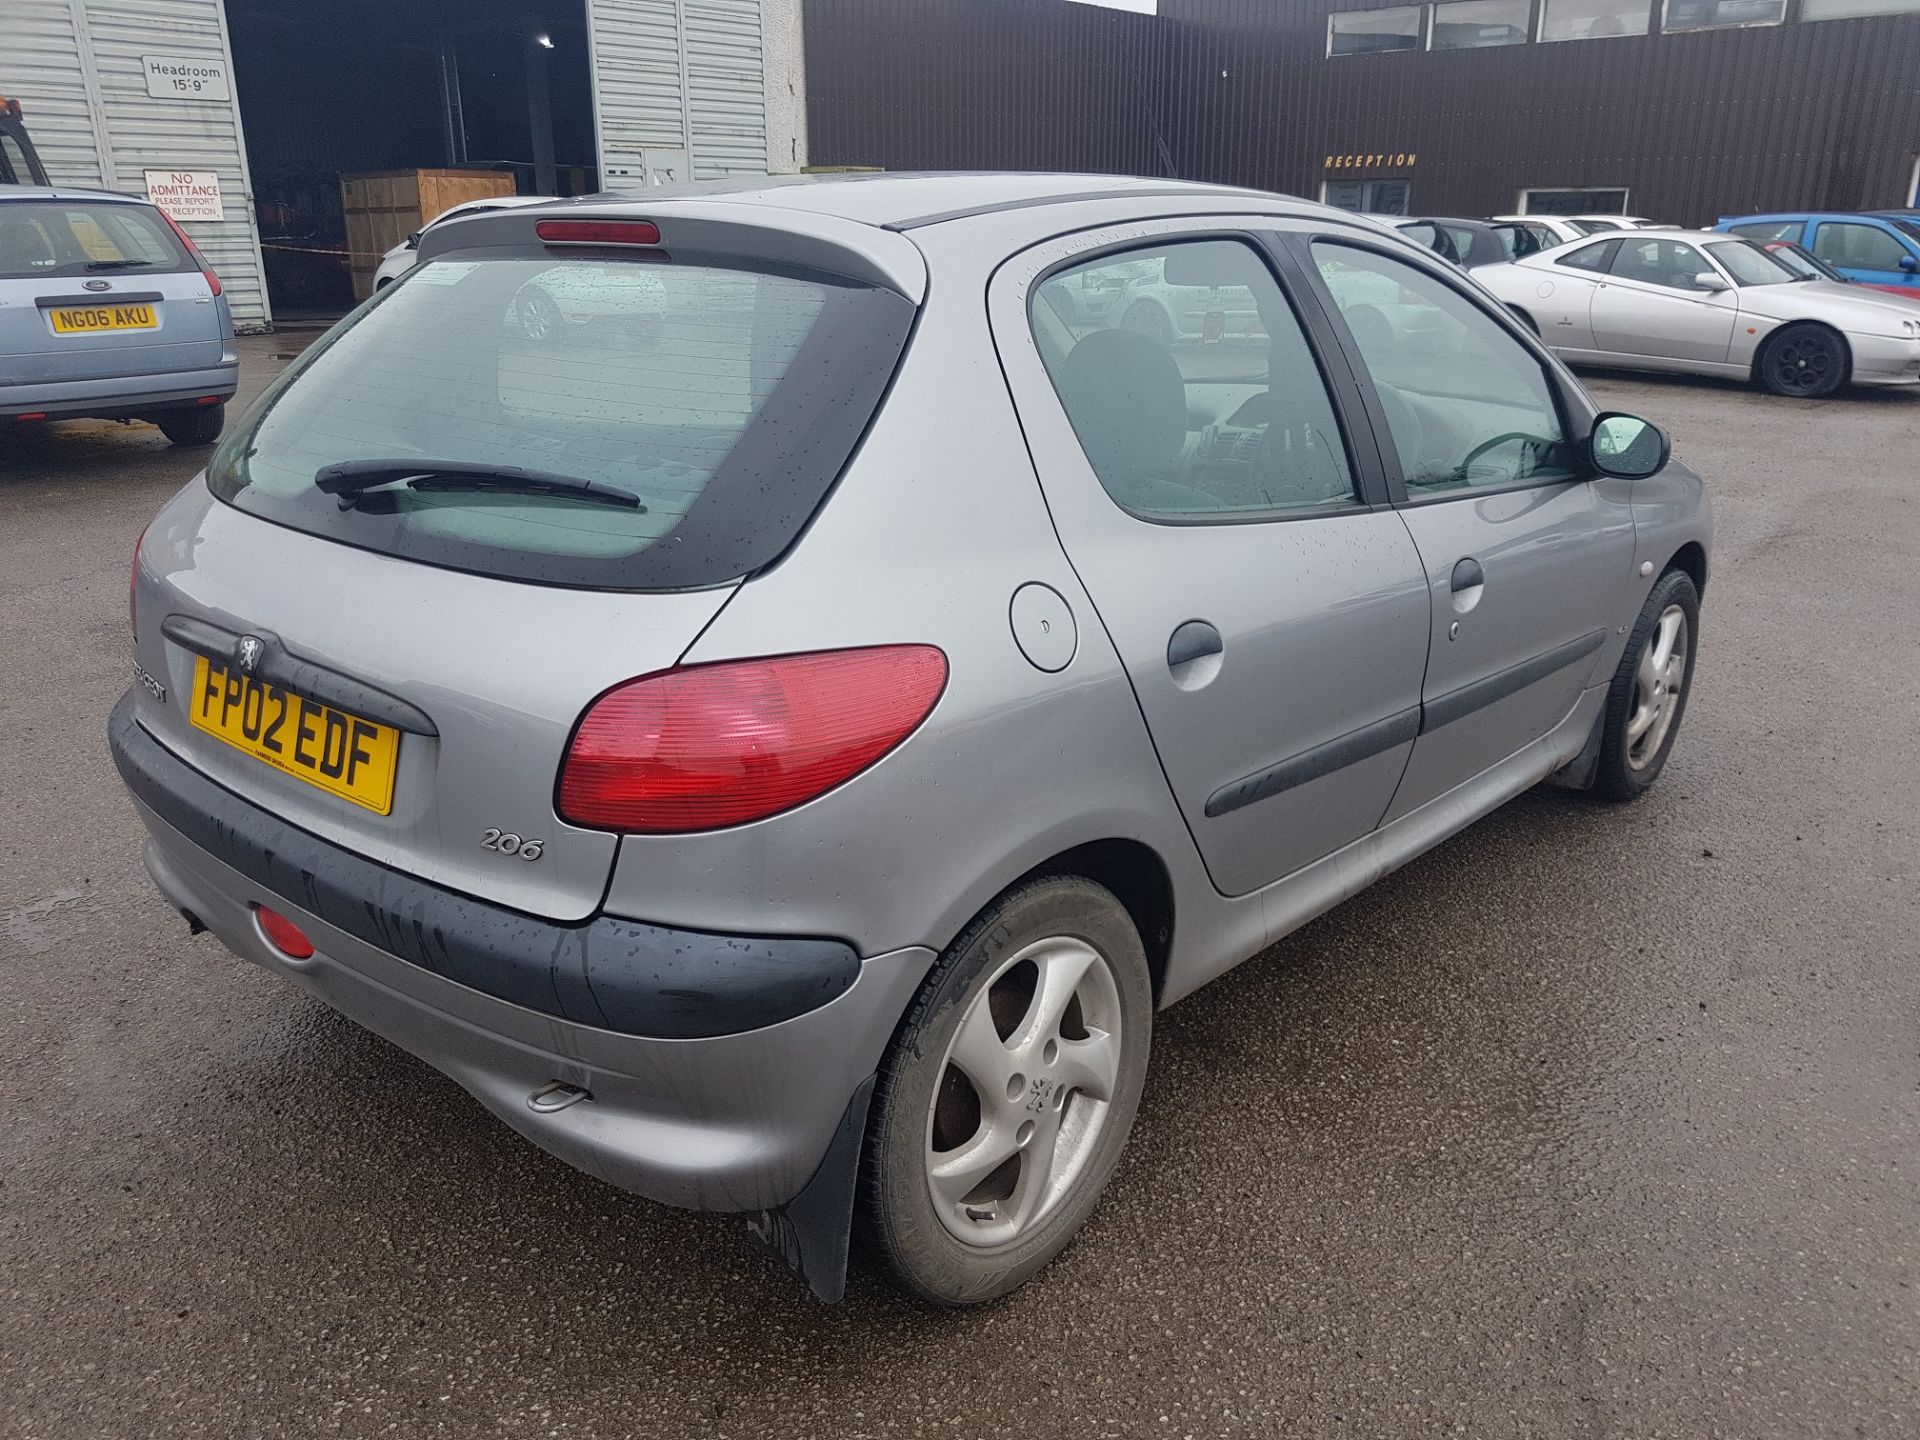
1909 264
1627 447
1709 281
413 241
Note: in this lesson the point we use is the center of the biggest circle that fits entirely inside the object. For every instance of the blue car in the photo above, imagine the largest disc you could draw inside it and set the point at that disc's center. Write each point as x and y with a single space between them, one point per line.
107 311
1877 248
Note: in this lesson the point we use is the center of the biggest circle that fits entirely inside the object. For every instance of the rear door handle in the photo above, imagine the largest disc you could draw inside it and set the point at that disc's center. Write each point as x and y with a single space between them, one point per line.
1192 641
1467 574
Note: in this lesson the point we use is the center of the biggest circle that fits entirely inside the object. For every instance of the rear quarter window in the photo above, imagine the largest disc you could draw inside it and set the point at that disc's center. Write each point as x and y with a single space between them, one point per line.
726 399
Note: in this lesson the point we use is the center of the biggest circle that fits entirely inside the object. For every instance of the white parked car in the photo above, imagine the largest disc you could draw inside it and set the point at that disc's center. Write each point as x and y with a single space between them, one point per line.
397 261
1524 234
1710 303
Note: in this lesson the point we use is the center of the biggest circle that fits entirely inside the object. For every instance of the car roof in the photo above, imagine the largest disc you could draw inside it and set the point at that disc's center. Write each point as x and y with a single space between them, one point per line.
1810 215
905 201
67 192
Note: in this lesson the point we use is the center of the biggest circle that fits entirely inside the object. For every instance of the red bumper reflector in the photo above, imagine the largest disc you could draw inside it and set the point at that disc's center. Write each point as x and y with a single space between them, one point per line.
288 938
208 400
598 232
32 415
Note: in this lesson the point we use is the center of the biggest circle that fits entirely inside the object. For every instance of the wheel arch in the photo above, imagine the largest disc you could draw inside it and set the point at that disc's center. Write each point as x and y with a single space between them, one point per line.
1138 878
1692 558
1526 318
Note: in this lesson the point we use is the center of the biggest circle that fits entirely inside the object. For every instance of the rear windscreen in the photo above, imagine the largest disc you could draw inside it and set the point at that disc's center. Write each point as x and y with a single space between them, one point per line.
725 400
48 239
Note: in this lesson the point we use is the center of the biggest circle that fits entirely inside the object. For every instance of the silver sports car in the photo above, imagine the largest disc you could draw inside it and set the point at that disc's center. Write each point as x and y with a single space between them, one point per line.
781 761
1711 303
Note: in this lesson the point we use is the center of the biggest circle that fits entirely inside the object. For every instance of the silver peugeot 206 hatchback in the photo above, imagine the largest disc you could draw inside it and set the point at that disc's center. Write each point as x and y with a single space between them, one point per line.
771 692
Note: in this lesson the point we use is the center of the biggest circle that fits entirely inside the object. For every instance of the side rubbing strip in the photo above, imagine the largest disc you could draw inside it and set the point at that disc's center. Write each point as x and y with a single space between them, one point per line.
1348 749
1445 709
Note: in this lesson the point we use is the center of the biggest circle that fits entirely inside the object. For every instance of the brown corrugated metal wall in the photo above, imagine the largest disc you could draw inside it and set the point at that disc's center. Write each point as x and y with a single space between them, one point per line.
1695 125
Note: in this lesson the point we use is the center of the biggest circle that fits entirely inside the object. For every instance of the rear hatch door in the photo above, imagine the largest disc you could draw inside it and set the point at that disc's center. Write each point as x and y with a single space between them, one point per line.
99 289
547 468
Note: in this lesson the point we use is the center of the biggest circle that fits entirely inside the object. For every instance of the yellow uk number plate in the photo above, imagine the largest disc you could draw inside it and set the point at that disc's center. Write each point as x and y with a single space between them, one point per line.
341 753
89 319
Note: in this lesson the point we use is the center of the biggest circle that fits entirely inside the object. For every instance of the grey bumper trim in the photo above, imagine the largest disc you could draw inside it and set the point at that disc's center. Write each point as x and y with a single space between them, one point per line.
610 973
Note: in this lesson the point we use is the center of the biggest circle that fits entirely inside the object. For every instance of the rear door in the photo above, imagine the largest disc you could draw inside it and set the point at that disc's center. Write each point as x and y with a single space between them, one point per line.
99 289
1269 609
1651 303
397 665
1527 563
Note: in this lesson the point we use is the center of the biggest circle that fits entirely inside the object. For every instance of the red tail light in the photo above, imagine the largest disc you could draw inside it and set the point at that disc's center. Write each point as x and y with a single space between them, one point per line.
193 251
719 745
287 937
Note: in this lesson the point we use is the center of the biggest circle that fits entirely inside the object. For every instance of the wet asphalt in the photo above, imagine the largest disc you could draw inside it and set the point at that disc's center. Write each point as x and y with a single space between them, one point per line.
1594 1122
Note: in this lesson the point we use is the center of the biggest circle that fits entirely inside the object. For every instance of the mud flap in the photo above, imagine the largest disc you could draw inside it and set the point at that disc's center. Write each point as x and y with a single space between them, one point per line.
1579 772
811 1231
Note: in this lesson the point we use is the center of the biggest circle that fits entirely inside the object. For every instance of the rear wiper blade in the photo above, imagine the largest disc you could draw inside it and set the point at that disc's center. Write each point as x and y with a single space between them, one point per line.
117 264
349 478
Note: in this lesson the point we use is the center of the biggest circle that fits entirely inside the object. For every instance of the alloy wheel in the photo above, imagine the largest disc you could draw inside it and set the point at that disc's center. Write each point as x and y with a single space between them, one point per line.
1657 684
1025 1091
1802 364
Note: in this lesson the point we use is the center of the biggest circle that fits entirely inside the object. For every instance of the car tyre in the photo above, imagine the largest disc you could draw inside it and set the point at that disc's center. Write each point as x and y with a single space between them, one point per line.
1804 361
1145 317
199 426
1008 1093
1648 696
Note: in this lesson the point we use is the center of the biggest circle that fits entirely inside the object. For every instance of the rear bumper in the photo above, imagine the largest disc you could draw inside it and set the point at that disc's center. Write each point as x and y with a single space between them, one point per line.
728 1119
119 397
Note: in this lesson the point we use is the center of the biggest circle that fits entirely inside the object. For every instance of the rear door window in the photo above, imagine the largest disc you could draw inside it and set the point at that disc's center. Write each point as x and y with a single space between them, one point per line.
49 239
1226 418
674 423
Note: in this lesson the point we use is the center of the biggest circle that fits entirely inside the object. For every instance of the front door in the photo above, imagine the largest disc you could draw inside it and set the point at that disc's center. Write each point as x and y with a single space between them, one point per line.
1873 254
1273 625
1653 303
1526 562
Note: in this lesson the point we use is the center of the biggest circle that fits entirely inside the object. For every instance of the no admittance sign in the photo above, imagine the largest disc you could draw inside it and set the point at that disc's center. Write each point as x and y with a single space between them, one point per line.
186 194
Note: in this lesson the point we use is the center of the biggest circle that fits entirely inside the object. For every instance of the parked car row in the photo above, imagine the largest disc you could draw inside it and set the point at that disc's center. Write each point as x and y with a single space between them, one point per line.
1792 302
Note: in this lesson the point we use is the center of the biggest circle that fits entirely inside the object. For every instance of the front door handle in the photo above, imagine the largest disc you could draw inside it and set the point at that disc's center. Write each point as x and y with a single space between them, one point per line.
1467 574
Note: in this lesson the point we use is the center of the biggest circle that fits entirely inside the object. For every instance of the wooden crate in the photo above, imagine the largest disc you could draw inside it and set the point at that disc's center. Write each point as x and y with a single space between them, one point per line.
383 207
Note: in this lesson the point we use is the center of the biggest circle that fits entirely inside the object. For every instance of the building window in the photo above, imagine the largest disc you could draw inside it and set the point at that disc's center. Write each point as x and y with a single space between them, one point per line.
1477 24
1593 19
1573 202
1852 9
1370 197
1369 32
1721 14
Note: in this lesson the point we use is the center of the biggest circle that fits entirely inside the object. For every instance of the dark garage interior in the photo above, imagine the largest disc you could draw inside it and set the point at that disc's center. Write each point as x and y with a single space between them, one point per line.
386 85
